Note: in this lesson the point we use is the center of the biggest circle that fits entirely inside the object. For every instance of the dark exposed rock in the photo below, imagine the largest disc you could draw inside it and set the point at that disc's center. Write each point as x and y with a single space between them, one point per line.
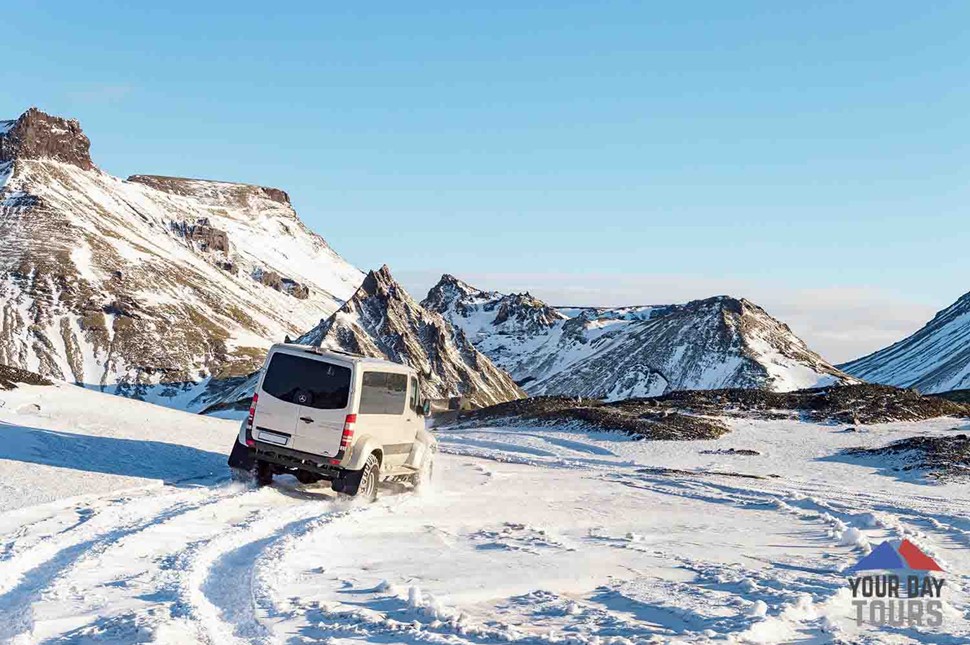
203 234
939 456
271 279
744 452
295 289
37 135
274 280
854 404
10 377
646 422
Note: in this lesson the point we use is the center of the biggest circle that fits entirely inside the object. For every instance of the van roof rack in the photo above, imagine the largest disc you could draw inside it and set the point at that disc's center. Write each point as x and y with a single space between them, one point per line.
316 349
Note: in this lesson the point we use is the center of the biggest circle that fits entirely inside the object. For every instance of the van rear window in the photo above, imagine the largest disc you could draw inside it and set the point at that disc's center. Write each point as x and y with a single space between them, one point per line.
383 393
304 381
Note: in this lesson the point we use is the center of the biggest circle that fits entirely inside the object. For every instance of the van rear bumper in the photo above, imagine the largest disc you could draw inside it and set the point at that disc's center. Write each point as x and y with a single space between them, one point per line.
290 458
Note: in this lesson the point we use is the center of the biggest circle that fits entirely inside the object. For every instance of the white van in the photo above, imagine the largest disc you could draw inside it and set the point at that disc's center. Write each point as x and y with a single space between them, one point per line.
320 414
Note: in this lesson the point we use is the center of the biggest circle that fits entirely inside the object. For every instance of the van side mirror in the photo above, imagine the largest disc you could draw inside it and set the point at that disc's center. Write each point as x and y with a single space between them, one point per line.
426 407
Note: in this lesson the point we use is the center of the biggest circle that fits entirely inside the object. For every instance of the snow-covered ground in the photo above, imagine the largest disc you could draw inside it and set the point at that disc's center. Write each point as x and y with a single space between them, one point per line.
120 525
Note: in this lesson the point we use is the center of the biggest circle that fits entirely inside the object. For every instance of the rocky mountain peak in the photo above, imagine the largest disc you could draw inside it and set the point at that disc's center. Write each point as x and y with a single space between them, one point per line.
527 310
38 135
382 320
448 291
379 282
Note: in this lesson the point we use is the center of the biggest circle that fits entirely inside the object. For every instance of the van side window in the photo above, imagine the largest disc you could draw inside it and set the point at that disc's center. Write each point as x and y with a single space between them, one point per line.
413 387
383 393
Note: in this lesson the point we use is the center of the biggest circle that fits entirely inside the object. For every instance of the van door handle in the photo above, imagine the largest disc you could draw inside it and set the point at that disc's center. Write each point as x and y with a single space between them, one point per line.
306 419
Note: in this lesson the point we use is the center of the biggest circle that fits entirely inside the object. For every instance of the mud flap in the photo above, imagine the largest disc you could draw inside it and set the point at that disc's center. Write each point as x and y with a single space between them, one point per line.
348 482
241 457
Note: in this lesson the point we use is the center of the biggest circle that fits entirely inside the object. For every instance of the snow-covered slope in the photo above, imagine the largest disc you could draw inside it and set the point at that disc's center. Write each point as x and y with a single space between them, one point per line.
382 320
934 359
632 351
118 525
154 287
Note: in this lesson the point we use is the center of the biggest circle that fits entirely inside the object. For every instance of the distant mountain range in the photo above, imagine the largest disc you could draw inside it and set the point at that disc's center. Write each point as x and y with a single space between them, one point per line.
171 289
934 359
632 351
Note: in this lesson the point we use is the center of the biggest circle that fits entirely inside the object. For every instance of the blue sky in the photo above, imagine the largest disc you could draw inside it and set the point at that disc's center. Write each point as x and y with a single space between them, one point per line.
813 157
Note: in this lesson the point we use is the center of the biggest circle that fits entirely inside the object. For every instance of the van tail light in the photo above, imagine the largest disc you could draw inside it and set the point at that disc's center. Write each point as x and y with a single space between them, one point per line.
249 421
348 435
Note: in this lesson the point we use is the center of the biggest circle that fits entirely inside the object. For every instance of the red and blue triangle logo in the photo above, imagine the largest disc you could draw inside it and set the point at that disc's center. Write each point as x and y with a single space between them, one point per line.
896 555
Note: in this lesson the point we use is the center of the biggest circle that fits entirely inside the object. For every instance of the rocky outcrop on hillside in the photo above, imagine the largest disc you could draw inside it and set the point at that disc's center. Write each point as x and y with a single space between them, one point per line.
203 235
934 359
39 136
382 320
11 377
144 287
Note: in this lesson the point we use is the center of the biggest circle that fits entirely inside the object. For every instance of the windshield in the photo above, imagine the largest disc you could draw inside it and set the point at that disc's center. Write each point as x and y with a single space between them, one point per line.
308 382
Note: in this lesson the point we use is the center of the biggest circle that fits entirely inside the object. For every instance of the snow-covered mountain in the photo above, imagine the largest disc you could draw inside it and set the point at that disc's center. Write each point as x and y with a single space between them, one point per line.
382 320
632 351
934 359
153 286
520 333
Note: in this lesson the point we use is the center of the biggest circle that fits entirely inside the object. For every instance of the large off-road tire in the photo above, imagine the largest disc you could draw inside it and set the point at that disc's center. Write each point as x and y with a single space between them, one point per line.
264 473
362 483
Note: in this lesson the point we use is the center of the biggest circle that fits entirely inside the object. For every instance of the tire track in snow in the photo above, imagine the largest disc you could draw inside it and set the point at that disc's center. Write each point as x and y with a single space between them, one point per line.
28 576
219 584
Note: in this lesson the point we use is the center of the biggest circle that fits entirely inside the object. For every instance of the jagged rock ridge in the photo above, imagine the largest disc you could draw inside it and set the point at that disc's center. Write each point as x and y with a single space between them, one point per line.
635 351
153 287
382 320
934 359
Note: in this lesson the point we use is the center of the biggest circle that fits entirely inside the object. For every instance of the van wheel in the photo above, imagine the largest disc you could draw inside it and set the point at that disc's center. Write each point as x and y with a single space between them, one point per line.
369 476
264 473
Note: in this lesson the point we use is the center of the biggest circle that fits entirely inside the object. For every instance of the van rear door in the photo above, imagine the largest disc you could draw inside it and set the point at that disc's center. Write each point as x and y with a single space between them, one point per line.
277 412
324 398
